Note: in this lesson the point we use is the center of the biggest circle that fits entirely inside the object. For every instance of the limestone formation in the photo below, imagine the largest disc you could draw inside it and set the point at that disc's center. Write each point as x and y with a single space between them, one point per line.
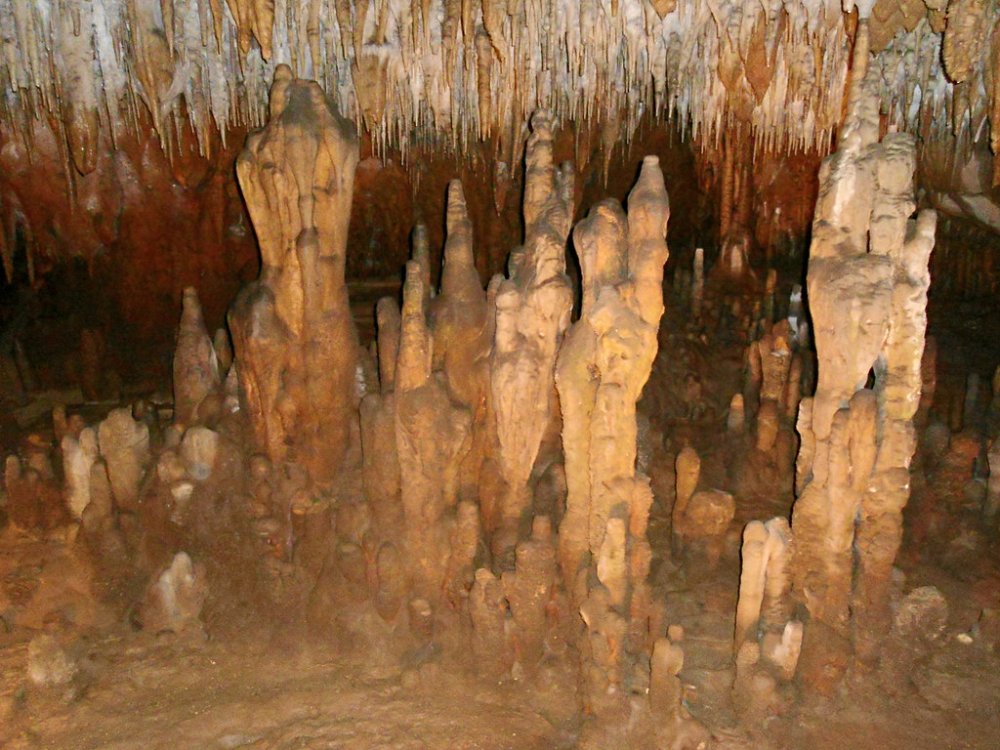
196 365
488 612
602 367
687 472
528 589
79 455
32 502
672 723
867 283
533 307
702 527
199 452
293 332
428 468
124 445
765 608
918 626
174 599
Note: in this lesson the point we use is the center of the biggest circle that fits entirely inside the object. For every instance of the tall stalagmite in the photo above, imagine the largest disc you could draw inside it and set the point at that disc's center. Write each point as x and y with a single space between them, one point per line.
602 368
867 282
293 331
533 308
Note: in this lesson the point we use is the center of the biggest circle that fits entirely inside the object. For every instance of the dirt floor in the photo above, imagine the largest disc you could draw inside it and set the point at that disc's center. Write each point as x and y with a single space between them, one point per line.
127 689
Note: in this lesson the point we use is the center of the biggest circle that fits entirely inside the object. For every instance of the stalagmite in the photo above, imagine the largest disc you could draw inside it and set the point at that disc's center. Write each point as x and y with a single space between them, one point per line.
293 330
673 725
175 598
199 451
703 525
79 455
736 418
867 283
698 284
124 446
763 614
602 367
532 313
196 365
606 359
528 590
488 611
688 471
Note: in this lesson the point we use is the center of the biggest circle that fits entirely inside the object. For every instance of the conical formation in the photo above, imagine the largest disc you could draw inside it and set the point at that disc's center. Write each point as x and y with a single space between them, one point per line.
293 333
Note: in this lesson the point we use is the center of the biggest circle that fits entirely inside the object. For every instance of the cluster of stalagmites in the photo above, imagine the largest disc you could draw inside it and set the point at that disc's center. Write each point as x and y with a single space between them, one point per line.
103 497
820 592
469 484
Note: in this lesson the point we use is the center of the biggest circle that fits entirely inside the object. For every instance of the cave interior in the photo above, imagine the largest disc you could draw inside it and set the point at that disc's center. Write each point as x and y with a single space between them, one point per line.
500 374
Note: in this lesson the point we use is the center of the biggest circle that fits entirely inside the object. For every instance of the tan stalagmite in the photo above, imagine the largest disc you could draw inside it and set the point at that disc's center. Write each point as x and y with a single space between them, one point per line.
293 331
379 458
533 308
488 612
607 356
602 367
196 365
867 286
673 725
79 454
688 471
428 467
528 589
124 446
764 609
460 321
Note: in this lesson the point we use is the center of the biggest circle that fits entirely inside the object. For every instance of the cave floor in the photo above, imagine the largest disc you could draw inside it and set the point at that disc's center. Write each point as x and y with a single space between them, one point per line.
138 693
134 690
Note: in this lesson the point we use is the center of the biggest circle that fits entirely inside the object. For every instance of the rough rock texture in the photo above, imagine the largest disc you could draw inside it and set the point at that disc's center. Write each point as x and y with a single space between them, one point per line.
533 307
602 367
867 282
174 599
293 332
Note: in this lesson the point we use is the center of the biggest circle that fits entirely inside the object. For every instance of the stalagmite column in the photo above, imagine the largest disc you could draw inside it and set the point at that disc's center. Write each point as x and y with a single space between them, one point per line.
603 365
607 356
698 283
79 454
532 313
867 282
293 331
431 438
124 445
764 605
196 366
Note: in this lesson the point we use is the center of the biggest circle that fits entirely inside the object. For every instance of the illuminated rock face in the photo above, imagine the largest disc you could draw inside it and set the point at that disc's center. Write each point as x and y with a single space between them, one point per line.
294 336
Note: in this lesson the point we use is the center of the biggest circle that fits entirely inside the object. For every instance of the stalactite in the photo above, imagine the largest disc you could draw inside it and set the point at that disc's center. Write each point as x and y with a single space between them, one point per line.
394 64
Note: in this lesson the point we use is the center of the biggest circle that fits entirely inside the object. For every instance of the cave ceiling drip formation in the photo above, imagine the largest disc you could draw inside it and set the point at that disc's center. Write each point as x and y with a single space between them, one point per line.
447 72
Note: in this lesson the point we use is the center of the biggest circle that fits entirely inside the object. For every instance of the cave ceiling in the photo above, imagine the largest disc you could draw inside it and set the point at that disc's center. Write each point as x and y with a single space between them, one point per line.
450 72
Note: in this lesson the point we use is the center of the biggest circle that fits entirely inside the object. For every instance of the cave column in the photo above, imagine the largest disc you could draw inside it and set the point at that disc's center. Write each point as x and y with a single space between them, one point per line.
293 331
